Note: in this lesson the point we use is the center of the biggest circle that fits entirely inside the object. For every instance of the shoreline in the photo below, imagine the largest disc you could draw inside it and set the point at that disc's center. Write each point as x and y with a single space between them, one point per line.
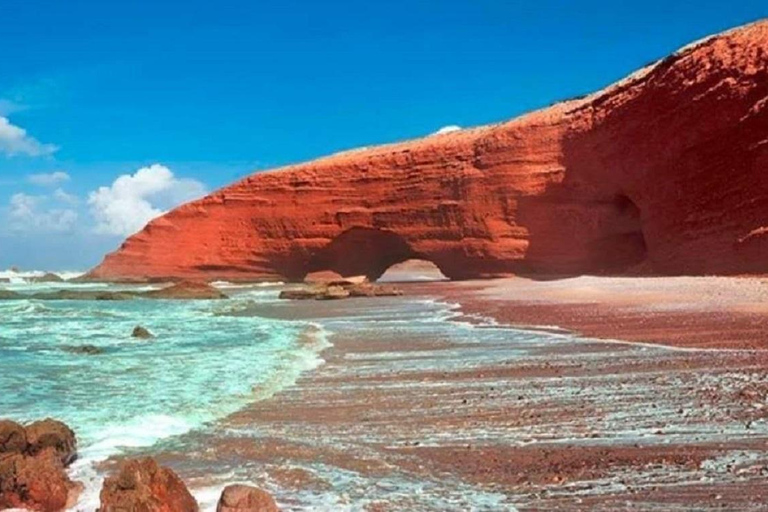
496 417
448 398
694 312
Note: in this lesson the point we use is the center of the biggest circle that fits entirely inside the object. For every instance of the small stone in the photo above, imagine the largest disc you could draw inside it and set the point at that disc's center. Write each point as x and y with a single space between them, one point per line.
141 333
244 498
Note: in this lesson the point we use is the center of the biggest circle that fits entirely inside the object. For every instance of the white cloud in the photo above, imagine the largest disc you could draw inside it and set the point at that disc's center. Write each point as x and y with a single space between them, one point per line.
65 197
133 200
48 180
31 214
448 129
16 141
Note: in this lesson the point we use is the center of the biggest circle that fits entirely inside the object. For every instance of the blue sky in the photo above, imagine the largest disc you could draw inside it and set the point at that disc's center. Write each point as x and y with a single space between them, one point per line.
196 94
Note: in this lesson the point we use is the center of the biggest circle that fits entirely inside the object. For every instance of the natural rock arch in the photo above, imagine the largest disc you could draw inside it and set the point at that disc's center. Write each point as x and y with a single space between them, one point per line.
363 251
413 270
662 173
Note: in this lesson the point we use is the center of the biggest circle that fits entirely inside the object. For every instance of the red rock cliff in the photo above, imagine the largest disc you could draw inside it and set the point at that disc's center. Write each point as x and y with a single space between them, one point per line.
664 172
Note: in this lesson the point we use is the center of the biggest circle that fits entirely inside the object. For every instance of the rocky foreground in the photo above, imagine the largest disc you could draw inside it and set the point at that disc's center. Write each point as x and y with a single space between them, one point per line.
33 462
662 172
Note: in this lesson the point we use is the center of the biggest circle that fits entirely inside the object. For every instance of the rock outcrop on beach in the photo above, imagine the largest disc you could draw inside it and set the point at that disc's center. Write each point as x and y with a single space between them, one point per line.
186 290
335 290
32 466
54 435
663 172
244 498
143 485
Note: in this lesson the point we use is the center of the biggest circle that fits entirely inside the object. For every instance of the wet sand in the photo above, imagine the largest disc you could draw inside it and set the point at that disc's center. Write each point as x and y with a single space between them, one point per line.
484 417
703 312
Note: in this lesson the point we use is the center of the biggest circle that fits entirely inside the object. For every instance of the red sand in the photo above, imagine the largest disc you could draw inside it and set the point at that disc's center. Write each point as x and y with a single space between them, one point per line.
704 312
547 424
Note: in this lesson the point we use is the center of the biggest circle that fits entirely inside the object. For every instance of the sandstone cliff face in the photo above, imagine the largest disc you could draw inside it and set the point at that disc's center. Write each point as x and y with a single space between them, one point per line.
664 172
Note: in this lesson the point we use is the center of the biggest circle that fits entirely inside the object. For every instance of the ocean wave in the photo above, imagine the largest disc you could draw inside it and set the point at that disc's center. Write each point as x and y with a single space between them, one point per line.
23 276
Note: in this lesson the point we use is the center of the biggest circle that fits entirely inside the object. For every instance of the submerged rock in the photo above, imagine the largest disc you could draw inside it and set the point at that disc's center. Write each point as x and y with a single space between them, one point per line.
141 333
8 295
244 498
88 350
79 295
186 290
143 485
181 291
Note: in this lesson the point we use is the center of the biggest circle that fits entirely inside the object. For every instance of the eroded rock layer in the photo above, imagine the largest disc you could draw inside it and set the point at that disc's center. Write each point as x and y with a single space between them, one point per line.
664 172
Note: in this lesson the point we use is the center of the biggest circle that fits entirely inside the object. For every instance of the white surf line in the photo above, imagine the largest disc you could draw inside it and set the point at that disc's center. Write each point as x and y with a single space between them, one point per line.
567 333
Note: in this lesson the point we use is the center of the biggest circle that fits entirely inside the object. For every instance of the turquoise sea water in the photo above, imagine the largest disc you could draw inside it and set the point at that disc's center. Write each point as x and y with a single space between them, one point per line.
202 365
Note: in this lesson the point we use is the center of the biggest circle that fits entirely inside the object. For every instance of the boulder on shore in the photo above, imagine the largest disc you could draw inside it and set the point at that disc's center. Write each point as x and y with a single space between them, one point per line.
13 437
334 293
307 293
186 290
340 290
37 482
32 466
244 498
143 485
50 433
141 333
373 290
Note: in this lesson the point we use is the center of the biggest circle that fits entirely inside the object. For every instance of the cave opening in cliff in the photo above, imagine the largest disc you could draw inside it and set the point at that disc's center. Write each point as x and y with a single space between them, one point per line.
362 251
623 244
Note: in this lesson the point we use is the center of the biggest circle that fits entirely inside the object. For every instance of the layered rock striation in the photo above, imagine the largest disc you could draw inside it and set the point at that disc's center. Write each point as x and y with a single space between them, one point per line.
663 172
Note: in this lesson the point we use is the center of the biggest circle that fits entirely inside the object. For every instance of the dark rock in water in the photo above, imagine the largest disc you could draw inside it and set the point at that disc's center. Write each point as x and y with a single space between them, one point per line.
32 466
9 295
142 485
49 433
13 437
89 350
244 498
15 269
141 333
186 290
80 295
48 277
5 280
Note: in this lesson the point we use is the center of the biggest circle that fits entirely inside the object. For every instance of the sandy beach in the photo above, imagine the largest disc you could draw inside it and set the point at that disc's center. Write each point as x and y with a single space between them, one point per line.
480 416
